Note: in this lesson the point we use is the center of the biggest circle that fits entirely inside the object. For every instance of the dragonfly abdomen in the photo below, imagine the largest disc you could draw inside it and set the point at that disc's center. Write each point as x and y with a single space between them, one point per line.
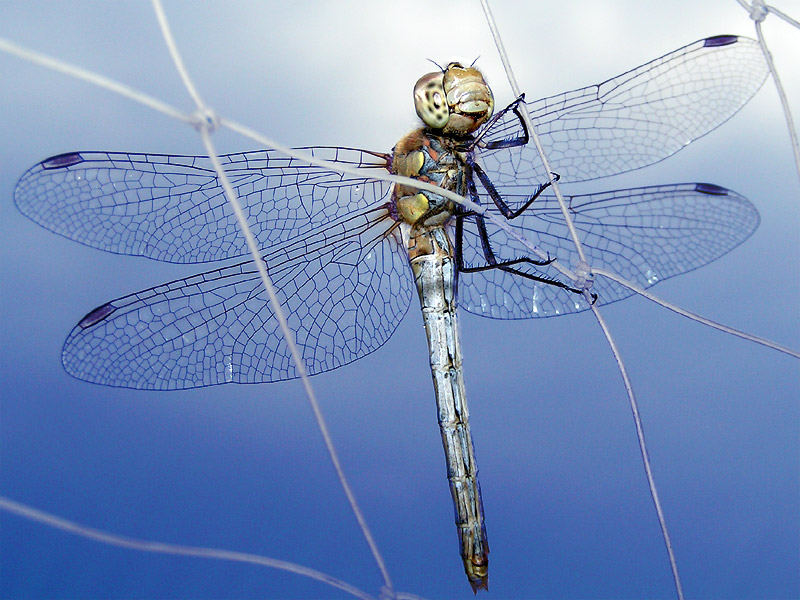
433 265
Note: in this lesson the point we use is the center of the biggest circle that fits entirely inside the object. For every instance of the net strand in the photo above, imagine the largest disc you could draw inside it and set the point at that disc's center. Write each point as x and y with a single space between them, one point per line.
204 130
91 77
758 11
121 541
637 419
515 89
787 113
694 316
603 326
784 16
177 59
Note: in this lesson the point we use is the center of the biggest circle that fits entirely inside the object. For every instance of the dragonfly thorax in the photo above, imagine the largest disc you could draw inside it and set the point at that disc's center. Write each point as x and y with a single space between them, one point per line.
433 159
455 101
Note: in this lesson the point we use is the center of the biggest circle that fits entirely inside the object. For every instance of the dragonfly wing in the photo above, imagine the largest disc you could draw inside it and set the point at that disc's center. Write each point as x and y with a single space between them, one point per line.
645 235
635 119
173 209
344 290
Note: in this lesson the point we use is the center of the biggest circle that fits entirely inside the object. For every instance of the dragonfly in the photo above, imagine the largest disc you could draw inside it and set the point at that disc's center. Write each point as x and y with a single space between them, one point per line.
346 252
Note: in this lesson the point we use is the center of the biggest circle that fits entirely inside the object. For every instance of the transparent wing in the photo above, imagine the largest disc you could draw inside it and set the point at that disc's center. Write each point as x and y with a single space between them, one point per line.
645 235
172 208
344 289
632 120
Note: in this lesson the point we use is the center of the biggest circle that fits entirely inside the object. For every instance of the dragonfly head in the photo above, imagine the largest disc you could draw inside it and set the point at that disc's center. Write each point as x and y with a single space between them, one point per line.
455 100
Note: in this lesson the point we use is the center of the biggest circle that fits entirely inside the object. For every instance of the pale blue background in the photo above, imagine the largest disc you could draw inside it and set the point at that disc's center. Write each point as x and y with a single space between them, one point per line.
243 467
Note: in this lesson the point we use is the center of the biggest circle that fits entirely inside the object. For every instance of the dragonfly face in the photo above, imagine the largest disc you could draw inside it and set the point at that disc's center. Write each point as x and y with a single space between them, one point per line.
456 101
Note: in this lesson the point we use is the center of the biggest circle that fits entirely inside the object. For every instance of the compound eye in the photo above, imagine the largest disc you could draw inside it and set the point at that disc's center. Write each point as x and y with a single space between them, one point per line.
431 101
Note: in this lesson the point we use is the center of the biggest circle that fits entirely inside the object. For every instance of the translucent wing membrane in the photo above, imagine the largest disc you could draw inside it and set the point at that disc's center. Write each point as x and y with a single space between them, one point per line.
332 248
172 208
632 120
344 289
643 234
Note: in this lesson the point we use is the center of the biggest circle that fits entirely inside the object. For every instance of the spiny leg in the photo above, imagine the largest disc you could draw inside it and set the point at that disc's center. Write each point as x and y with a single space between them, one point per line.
488 253
504 209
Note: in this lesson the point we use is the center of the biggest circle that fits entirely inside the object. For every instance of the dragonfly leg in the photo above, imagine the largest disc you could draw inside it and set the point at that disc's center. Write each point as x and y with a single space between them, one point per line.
504 265
511 142
506 211
520 140
491 259
486 245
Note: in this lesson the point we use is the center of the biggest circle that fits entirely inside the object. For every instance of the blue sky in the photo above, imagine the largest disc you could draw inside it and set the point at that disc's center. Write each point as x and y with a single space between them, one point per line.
243 467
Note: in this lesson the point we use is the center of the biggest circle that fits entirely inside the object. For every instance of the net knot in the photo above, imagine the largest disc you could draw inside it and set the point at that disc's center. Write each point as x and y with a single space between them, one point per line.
387 594
758 11
205 119
584 279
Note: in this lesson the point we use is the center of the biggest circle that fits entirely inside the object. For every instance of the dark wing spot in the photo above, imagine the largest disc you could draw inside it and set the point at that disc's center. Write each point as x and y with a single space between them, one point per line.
710 188
62 160
96 315
720 40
